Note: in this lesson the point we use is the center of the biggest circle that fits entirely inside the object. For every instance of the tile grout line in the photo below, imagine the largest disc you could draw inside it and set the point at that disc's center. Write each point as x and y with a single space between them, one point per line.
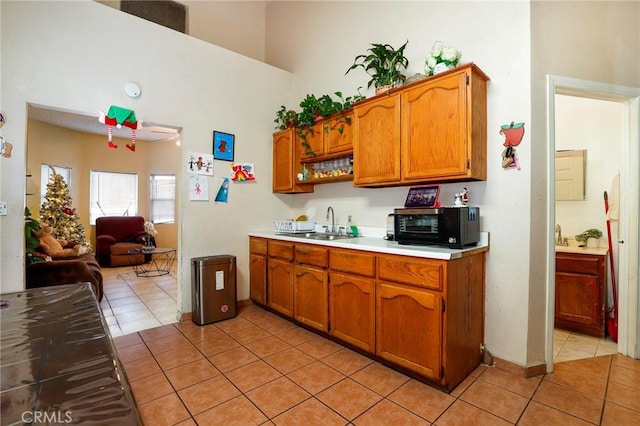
323 361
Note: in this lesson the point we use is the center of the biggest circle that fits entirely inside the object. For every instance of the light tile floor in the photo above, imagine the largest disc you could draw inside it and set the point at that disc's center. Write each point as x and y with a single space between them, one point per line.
568 346
134 303
259 369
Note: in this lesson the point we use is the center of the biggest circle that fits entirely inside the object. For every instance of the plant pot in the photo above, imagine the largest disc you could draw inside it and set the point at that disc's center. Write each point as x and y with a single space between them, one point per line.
441 67
592 242
383 89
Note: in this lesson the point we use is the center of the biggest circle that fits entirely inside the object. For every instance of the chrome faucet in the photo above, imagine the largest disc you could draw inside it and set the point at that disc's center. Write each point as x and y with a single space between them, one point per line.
333 220
561 241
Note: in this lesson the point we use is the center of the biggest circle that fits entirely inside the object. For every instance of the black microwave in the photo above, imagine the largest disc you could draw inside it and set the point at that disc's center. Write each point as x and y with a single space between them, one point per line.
453 227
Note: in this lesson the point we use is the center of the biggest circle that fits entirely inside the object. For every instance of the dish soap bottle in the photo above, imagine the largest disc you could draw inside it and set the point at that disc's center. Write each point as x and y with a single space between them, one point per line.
352 230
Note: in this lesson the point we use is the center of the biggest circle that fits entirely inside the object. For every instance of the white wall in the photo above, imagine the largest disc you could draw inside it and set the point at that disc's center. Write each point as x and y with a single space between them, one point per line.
235 25
79 55
494 35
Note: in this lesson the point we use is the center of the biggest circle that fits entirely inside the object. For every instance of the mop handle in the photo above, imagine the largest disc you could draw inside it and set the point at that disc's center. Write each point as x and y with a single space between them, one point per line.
613 274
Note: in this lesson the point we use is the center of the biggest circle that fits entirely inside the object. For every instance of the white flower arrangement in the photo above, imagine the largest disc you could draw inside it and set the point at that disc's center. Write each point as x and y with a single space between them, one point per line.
441 59
150 229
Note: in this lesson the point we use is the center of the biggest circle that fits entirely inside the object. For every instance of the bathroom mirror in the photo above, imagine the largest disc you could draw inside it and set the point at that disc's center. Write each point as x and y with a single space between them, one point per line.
570 175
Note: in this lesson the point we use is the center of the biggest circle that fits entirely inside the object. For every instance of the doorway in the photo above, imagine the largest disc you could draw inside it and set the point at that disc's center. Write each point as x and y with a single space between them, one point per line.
77 141
587 159
627 245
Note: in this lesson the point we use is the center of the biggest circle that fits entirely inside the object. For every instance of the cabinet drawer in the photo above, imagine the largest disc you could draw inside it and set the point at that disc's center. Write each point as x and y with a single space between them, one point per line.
281 249
354 262
258 246
312 255
579 263
420 272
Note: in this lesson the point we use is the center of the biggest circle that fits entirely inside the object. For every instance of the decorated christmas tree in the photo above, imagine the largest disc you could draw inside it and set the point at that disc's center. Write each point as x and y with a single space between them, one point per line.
58 212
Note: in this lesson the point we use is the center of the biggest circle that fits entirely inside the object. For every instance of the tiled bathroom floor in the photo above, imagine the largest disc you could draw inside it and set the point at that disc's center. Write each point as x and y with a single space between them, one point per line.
568 346
258 369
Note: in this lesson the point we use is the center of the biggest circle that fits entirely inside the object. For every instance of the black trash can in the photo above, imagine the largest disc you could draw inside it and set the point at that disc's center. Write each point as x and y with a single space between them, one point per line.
213 285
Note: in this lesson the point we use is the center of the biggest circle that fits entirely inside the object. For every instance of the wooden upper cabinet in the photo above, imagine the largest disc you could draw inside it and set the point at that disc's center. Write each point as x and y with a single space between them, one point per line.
434 136
314 137
339 134
429 131
286 153
376 142
329 138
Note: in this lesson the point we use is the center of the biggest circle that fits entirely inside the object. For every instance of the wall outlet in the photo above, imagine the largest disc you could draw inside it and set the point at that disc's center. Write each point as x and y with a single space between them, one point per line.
3 208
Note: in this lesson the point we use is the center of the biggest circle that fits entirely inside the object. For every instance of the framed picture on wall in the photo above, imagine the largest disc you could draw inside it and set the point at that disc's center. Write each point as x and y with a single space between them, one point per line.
223 146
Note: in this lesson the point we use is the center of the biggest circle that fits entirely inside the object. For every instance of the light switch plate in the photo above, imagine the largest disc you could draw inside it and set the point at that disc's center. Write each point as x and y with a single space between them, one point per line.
3 208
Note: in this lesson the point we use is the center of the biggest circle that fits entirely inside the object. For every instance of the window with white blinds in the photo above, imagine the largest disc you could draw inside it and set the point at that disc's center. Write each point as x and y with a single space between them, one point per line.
163 196
113 194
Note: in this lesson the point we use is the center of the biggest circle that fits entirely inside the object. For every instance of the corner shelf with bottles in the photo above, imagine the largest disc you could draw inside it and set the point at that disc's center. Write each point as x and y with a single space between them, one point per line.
326 170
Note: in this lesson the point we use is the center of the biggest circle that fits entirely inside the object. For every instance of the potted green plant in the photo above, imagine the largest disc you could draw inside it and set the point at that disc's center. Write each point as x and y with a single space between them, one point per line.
31 241
285 118
592 233
383 64
313 108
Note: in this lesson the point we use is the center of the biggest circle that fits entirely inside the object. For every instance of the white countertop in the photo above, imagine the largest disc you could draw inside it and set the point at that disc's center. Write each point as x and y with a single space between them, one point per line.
600 251
380 245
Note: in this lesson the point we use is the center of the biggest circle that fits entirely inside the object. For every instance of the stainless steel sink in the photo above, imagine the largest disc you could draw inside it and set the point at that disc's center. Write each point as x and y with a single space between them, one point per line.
325 236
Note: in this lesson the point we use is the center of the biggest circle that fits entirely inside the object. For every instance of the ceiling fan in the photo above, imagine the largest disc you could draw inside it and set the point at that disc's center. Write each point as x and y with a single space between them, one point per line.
171 132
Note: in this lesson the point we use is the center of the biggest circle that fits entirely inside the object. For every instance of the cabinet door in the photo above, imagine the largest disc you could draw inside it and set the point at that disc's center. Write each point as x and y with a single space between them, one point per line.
352 310
409 328
280 286
580 294
258 278
434 130
339 134
311 295
577 300
314 139
285 163
376 142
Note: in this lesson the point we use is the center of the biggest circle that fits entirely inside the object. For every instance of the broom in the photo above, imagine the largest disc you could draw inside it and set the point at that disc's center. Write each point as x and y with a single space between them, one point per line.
612 312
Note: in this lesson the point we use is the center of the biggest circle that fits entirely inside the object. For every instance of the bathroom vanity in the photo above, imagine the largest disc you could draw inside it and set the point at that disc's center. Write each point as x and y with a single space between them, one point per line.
580 296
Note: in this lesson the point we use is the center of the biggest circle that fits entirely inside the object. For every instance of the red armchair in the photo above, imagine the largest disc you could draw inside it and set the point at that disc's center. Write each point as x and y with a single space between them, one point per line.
116 237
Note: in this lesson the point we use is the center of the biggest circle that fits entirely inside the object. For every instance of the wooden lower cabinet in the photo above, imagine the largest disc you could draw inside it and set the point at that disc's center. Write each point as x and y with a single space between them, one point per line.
280 286
352 305
311 296
580 296
409 328
258 278
423 316
258 270
431 319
